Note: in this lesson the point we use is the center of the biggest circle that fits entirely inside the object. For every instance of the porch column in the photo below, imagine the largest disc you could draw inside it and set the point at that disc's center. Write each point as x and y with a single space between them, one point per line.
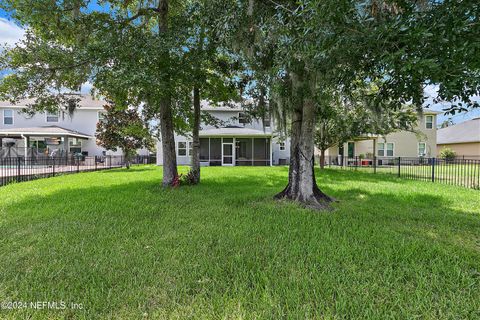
271 151
253 152
26 141
67 145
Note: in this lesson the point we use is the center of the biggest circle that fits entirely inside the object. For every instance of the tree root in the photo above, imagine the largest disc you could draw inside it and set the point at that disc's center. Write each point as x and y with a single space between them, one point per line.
316 201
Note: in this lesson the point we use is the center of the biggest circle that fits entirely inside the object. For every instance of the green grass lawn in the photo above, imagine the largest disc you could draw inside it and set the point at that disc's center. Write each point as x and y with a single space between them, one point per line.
123 248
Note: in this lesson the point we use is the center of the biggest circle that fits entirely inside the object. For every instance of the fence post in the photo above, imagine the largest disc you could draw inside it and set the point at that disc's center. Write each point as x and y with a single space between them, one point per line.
374 164
18 169
399 160
53 166
95 159
78 164
433 169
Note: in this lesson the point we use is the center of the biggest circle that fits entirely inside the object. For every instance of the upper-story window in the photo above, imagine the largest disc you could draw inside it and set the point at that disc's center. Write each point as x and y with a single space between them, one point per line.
8 116
101 116
266 121
429 122
282 146
242 118
52 116
385 149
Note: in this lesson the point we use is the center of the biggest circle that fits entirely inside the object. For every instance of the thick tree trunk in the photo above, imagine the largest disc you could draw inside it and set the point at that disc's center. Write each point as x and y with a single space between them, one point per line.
322 158
195 170
126 158
302 186
170 173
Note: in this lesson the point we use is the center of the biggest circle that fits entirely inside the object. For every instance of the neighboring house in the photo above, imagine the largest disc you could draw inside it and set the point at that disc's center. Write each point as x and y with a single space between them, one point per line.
56 134
421 143
463 138
237 142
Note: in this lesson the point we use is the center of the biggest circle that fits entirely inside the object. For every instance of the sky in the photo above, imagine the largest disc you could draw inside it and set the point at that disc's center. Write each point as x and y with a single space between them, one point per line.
11 33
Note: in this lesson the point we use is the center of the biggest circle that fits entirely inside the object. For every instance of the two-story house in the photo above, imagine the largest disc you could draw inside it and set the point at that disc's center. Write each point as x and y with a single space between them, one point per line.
422 142
237 141
54 134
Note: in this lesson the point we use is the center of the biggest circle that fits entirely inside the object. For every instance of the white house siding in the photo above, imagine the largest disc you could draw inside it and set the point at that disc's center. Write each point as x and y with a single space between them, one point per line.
230 118
83 120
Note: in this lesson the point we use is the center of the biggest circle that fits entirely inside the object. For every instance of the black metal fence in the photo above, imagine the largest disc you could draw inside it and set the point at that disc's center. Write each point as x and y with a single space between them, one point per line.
456 171
18 169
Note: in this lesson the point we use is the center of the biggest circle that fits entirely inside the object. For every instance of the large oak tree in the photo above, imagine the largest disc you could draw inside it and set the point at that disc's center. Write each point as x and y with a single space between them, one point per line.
299 50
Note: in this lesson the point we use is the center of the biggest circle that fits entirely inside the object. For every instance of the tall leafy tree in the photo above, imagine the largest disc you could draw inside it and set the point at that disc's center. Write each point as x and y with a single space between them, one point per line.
299 50
130 52
210 72
123 128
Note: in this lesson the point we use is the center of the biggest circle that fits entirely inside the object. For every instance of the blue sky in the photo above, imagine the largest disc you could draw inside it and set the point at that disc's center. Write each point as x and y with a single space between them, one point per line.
10 33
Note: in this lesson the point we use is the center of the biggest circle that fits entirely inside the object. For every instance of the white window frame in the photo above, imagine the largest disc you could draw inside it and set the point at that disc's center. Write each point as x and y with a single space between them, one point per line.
429 116
183 148
75 142
98 115
425 149
282 146
47 114
385 149
13 117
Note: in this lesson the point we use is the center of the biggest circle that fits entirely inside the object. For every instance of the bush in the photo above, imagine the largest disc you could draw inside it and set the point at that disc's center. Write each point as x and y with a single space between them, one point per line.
448 154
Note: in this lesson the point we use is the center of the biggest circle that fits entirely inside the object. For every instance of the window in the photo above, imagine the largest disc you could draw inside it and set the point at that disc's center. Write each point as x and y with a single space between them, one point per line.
429 122
266 122
101 116
75 142
282 146
422 148
182 149
52 116
242 118
7 116
385 149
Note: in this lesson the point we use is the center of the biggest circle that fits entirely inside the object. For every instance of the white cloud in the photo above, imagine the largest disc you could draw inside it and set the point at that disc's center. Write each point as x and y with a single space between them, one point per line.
10 33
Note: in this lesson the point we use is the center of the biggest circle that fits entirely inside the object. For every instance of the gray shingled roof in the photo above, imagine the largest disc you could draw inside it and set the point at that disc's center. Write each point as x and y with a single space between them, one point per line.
464 132
42 131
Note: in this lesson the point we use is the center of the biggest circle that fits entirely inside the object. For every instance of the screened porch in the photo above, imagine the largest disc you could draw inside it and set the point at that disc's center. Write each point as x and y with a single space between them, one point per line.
233 151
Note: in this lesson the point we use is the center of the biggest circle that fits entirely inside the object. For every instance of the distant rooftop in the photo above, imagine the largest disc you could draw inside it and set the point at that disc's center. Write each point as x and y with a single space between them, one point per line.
86 102
464 132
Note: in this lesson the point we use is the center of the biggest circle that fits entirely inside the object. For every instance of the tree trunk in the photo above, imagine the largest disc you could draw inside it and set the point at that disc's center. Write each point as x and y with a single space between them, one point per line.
170 173
302 186
195 170
322 158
